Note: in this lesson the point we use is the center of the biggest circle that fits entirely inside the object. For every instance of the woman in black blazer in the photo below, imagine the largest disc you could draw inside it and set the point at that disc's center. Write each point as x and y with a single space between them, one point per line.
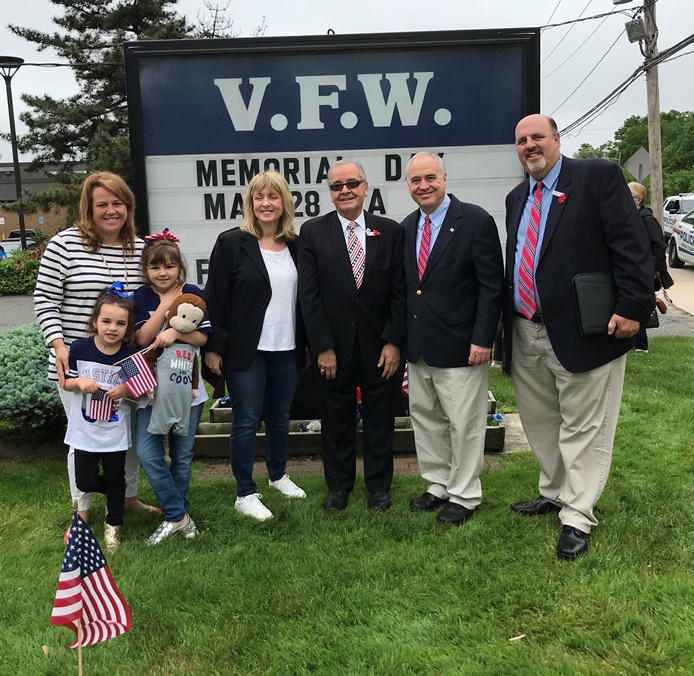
257 334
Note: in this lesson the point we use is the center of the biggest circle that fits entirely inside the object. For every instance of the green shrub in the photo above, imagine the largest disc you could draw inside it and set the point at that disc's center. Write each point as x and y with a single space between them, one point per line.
27 397
18 273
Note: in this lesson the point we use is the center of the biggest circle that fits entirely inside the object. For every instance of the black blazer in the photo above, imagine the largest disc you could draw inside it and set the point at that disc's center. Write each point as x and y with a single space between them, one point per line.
595 229
334 310
237 293
458 300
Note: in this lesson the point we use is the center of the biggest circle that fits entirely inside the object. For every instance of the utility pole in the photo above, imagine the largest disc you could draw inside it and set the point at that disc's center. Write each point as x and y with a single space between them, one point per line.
653 102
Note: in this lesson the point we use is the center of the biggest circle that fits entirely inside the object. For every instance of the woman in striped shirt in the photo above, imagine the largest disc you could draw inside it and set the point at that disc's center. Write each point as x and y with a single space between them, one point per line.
76 267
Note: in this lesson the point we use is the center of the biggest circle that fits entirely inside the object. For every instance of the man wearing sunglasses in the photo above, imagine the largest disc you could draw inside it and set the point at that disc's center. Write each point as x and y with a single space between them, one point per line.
352 296
454 275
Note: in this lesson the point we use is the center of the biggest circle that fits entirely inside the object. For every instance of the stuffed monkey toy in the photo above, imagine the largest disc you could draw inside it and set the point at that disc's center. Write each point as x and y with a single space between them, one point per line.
177 369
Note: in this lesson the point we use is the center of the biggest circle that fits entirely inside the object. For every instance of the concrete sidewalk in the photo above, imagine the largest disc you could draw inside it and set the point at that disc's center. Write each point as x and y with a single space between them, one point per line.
15 311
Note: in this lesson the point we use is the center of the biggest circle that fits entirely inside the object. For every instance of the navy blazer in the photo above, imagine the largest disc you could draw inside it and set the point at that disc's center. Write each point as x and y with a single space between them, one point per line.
336 312
594 228
237 293
458 300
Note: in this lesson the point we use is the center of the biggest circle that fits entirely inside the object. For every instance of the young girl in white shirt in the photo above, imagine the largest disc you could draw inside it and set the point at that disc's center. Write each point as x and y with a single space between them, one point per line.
99 421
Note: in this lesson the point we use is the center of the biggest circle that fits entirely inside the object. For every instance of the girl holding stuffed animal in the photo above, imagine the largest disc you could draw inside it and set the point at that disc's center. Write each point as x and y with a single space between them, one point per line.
99 422
164 269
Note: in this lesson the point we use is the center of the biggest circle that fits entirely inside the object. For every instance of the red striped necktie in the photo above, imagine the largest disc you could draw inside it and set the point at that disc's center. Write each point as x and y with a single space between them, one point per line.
526 270
357 258
424 247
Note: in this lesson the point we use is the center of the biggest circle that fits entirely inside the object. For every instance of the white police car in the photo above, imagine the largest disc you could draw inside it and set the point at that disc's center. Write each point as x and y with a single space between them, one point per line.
681 245
674 208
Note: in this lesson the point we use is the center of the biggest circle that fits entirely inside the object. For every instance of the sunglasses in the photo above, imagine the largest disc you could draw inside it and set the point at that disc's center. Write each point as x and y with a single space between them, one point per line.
351 184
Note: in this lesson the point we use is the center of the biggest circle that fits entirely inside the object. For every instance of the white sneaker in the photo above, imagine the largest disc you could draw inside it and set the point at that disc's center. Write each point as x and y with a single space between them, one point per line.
251 505
287 487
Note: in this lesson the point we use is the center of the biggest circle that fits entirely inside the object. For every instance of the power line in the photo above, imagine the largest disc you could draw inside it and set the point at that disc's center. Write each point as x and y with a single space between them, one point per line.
602 58
577 48
573 24
613 96
590 18
554 11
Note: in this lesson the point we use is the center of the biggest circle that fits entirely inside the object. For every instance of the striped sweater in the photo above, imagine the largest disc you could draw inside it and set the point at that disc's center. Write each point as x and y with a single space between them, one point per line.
69 282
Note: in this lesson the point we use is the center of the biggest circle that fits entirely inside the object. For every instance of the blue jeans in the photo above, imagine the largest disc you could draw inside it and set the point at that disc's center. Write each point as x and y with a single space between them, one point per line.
265 391
641 340
169 483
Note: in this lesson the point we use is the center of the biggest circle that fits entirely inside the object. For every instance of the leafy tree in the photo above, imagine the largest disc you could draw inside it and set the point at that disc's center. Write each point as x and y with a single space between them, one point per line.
92 125
677 140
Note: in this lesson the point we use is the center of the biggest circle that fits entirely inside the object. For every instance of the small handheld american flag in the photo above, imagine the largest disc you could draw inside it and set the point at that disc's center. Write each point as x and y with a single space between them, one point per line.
405 389
87 592
100 406
137 375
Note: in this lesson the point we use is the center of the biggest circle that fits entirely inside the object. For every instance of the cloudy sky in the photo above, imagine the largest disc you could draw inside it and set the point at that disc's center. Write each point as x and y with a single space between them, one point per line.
569 53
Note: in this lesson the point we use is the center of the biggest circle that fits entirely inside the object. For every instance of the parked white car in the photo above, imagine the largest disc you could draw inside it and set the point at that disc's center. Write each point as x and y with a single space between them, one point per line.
681 245
12 245
674 208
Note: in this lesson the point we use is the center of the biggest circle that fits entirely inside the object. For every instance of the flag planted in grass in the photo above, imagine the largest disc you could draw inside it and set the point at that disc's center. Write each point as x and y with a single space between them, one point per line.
100 406
137 375
87 594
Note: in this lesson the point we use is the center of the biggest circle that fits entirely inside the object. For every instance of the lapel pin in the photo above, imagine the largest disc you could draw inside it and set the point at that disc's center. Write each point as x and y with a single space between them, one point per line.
452 229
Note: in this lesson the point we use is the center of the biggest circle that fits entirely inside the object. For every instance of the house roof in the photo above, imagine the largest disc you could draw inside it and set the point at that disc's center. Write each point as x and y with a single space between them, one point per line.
32 181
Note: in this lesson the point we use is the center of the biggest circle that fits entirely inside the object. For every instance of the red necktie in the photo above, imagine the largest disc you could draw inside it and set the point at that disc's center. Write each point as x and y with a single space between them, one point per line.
526 270
357 258
424 246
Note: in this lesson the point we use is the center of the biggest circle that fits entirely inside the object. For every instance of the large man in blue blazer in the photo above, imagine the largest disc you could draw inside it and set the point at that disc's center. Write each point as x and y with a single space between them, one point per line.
577 216
454 275
353 305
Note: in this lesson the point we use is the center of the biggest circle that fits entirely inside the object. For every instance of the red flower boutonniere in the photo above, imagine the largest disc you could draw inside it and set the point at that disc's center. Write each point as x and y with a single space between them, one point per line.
372 233
561 197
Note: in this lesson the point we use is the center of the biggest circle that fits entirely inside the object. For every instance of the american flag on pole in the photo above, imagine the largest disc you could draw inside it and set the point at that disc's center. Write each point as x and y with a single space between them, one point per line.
405 389
137 375
87 592
100 406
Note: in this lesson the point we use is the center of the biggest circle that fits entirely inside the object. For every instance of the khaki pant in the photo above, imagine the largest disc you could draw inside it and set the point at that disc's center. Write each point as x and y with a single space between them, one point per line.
448 409
569 419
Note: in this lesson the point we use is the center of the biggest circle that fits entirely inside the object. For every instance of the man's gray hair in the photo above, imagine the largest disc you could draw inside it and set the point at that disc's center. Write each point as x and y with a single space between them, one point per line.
341 163
439 161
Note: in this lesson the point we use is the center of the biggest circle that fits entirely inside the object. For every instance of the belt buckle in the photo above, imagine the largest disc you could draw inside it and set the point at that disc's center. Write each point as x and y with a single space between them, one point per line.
537 318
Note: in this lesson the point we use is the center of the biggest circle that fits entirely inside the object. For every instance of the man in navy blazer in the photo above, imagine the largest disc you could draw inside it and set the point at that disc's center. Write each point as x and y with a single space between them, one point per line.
454 275
578 216
355 323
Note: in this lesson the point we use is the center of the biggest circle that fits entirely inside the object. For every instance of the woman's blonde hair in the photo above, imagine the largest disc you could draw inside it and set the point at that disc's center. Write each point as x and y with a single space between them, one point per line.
275 182
116 185
637 190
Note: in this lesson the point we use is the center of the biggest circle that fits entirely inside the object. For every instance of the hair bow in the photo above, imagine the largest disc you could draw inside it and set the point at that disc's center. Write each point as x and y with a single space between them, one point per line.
117 289
164 234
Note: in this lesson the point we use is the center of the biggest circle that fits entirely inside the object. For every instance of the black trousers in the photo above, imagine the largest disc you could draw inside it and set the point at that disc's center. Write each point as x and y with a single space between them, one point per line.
338 423
111 482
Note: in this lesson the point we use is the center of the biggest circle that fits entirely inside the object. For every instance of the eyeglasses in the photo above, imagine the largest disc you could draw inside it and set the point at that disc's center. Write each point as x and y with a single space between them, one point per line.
351 184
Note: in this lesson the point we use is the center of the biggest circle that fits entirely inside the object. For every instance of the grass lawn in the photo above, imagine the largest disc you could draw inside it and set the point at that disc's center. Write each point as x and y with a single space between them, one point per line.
362 593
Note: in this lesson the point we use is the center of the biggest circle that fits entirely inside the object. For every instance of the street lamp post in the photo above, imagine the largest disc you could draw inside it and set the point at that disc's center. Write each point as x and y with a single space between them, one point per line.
8 67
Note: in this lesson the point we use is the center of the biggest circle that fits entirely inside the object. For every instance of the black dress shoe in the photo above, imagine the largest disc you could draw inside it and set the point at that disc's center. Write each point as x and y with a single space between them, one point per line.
336 501
454 514
379 501
427 502
572 543
535 507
